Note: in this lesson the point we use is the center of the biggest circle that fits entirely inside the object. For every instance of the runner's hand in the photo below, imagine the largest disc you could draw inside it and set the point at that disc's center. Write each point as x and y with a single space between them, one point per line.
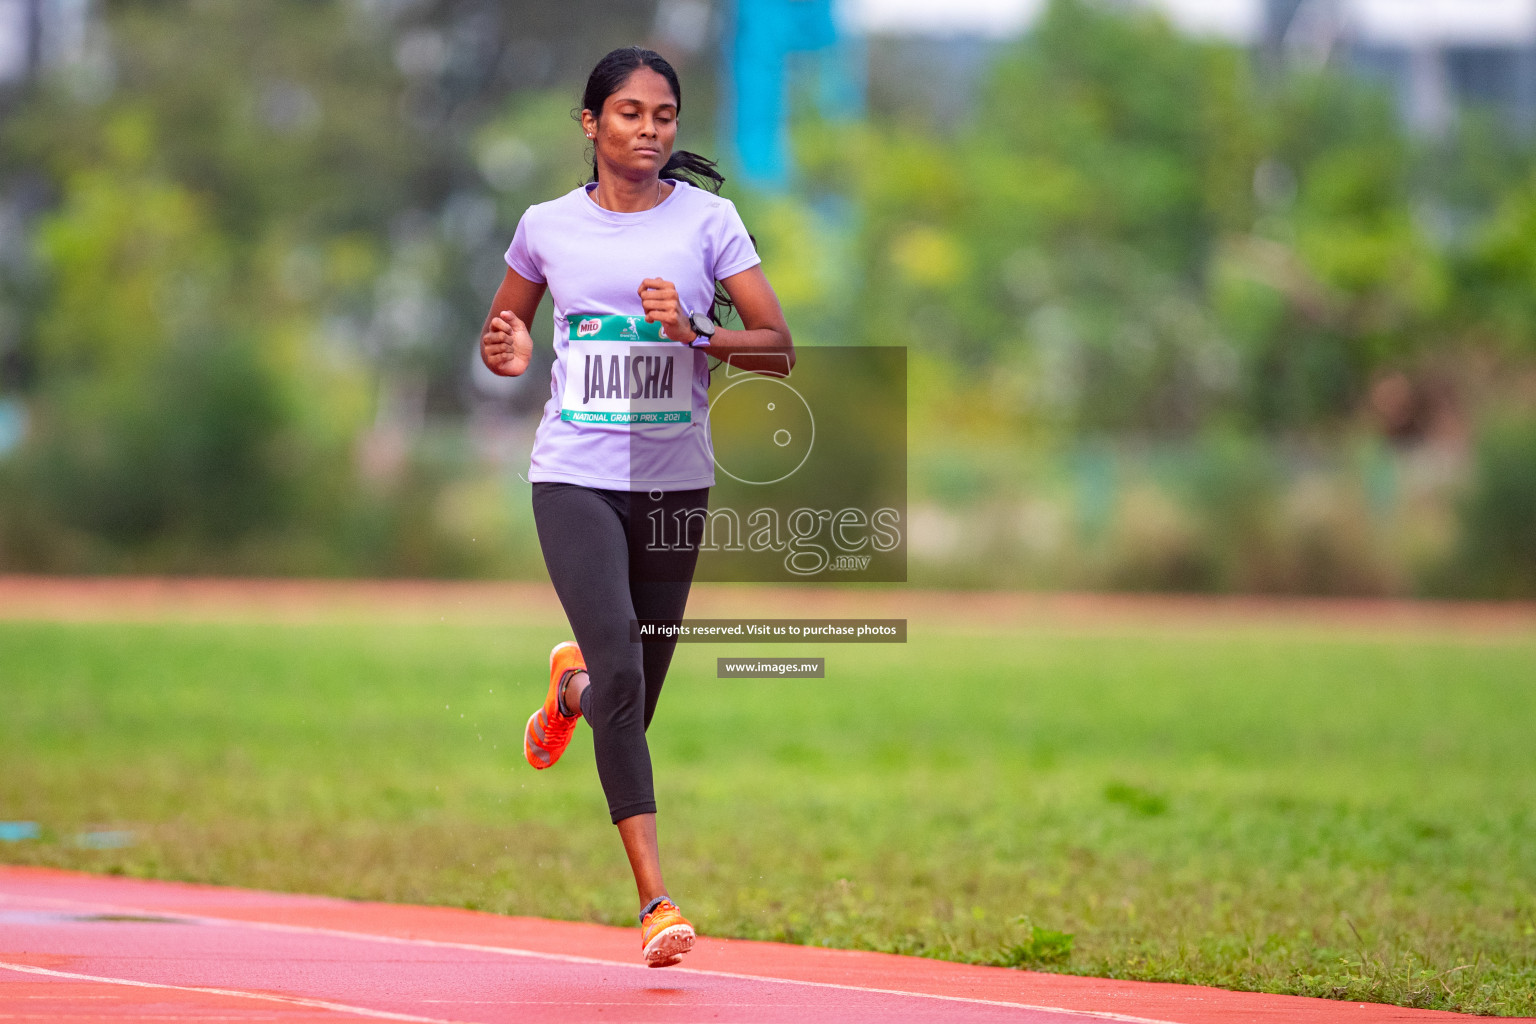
658 297
506 346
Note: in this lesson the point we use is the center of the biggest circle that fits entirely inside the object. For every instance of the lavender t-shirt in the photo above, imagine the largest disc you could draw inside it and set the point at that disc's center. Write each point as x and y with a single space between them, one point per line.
627 407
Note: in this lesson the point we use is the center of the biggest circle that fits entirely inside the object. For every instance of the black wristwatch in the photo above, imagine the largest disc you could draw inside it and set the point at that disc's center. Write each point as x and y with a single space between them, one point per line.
703 326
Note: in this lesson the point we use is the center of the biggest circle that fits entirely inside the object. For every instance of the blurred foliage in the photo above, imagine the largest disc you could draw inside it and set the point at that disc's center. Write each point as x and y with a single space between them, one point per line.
1141 241
1229 323
1500 513
188 411
1135 233
248 230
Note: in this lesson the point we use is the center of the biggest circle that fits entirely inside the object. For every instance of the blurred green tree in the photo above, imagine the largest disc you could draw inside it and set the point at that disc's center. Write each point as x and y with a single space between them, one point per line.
1137 233
1055 250
1499 514
195 384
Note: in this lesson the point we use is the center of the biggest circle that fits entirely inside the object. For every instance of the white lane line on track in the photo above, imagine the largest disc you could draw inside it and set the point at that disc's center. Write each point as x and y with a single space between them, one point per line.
313 1004
301 929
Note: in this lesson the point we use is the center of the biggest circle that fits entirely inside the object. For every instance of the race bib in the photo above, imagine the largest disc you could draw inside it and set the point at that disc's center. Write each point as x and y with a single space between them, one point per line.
620 369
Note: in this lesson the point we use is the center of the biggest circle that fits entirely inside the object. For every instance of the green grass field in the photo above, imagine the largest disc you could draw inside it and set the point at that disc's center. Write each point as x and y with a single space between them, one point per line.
1314 812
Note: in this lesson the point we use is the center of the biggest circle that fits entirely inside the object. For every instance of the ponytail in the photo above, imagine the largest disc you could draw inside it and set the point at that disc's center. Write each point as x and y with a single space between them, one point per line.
700 172
696 170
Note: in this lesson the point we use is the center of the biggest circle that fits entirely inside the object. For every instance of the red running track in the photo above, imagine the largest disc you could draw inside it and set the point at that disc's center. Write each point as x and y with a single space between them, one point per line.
77 947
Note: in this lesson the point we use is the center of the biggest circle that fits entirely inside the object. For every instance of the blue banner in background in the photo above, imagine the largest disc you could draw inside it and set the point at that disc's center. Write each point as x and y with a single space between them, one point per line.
761 39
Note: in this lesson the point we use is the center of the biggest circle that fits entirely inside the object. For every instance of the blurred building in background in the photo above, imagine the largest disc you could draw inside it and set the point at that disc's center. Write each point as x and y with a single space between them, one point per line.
1437 57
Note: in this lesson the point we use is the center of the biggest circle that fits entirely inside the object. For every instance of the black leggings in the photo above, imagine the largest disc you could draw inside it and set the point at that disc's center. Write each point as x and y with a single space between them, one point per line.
606 570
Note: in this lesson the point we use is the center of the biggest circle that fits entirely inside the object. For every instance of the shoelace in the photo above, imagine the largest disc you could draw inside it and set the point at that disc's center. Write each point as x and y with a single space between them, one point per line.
555 729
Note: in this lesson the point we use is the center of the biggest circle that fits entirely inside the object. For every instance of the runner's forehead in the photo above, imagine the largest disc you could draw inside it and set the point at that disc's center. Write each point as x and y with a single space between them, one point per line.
645 88
668 104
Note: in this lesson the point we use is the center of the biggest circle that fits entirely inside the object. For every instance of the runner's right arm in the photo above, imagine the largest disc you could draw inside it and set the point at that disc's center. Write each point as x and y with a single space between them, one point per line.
505 345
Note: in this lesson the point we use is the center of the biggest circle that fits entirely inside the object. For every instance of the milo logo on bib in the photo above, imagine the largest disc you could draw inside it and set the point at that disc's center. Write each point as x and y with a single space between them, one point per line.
620 369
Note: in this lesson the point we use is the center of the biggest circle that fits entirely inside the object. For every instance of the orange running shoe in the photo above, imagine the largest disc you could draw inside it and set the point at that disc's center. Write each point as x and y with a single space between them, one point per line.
665 935
548 731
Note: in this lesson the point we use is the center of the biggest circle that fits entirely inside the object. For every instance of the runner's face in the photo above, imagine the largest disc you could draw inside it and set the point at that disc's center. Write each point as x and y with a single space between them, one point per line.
638 126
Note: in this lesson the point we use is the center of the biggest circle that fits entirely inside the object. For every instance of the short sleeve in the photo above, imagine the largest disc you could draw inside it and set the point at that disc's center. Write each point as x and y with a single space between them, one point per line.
734 251
520 256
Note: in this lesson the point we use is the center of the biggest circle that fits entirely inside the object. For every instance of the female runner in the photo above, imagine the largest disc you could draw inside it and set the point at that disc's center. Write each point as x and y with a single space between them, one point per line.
631 261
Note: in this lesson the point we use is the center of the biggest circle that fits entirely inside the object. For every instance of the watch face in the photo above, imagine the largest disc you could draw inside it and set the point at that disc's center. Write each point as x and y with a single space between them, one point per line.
701 324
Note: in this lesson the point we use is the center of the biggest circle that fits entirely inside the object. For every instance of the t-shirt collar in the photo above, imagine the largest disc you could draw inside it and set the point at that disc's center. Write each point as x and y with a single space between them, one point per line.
627 218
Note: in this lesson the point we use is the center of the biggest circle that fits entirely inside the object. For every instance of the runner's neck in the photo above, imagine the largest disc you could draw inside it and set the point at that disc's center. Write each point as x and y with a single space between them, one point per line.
622 196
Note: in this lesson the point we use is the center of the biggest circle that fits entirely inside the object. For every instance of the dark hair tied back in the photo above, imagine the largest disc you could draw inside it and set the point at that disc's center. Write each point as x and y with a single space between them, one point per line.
611 73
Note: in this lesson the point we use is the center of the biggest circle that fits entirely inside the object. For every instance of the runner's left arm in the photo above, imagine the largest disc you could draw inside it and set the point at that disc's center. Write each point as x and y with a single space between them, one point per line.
763 343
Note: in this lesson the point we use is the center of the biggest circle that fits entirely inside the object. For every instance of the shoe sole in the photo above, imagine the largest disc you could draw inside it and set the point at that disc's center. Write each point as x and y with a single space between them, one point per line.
668 948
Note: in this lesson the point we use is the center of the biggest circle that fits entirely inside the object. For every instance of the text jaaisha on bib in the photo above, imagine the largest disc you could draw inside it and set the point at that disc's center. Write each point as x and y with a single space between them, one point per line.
621 369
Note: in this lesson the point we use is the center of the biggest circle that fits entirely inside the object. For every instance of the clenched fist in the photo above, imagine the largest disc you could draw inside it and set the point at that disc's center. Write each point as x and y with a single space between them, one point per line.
658 297
506 346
